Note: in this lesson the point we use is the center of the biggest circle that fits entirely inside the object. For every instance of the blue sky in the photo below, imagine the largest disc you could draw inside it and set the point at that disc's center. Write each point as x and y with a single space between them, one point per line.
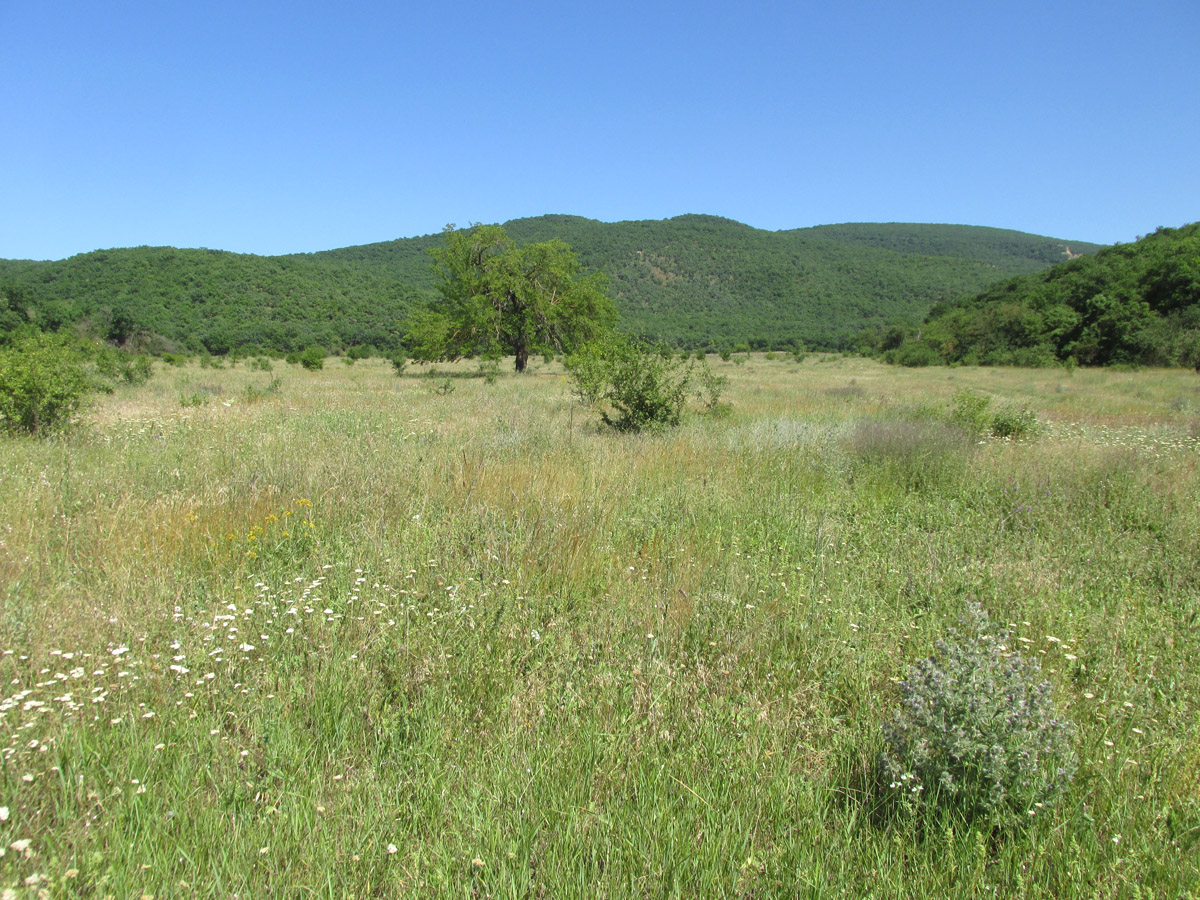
270 127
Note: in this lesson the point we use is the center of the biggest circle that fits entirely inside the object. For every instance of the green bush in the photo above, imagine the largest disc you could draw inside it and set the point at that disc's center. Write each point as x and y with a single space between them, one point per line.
313 359
399 362
970 412
1015 422
587 370
976 734
114 365
973 414
44 381
914 355
636 386
645 391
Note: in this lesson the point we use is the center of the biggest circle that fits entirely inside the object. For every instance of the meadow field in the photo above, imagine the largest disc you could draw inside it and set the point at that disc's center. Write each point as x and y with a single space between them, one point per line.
348 634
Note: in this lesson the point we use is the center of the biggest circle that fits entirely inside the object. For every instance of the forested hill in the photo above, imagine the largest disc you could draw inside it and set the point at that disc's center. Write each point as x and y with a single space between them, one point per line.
692 280
1133 303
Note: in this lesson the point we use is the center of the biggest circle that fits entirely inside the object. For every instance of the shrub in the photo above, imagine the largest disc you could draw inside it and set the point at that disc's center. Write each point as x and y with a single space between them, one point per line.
588 373
44 382
976 734
635 386
914 355
113 365
1015 422
313 359
399 362
710 387
970 412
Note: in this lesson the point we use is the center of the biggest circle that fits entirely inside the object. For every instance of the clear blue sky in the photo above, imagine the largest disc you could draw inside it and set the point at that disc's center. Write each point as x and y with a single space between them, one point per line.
271 127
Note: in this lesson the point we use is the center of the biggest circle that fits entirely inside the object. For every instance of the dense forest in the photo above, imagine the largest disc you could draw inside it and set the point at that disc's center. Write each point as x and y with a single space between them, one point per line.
693 281
1132 304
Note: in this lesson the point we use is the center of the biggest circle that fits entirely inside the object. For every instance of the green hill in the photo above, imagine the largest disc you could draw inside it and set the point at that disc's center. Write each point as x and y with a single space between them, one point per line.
691 280
1133 303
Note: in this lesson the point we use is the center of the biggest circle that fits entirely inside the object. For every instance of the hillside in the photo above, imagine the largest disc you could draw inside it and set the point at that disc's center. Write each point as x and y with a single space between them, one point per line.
691 280
1133 304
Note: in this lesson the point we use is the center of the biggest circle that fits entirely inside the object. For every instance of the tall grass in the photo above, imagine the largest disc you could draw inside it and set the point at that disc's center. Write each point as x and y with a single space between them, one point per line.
353 636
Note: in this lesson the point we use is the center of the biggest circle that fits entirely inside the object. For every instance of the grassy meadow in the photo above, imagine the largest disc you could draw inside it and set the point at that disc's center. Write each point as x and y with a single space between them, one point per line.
349 634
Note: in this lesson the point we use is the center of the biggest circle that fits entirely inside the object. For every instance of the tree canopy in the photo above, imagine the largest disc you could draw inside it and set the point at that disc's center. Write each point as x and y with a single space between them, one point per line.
699 282
497 297
1133 304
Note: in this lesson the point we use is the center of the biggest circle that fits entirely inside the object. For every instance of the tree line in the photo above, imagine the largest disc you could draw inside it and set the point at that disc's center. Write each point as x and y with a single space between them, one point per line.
698 282
1130 304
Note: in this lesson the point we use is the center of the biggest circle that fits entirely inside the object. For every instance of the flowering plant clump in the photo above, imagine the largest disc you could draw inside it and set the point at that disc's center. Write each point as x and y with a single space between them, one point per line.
976 732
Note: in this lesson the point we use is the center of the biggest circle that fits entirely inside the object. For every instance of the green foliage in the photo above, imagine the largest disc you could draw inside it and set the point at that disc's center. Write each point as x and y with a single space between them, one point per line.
439 384
917 355
1015 422
313 358
44 381
498 297
588 369
976 734
645 391
1132 304
710 388
691 281
113 365
636 387
399 362
971 412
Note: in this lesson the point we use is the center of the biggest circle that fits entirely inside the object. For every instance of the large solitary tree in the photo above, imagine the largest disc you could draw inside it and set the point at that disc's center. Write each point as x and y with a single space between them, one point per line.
496 298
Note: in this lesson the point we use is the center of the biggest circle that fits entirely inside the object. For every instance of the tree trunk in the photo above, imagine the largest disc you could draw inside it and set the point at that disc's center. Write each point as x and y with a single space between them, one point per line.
522 357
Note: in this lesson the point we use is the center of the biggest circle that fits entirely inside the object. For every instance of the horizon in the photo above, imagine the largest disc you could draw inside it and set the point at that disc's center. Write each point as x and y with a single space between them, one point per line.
273 130
1068 240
